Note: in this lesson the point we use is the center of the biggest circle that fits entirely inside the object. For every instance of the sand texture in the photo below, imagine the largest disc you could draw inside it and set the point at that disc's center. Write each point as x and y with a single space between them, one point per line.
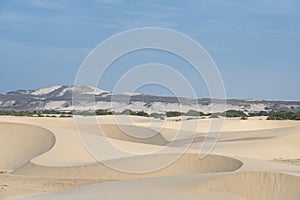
56 159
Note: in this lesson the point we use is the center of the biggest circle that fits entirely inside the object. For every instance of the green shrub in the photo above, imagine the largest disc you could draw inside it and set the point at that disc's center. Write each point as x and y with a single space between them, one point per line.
214 115
283 115
157 115
128 112
234 113
143 114
103 112
258 114
173 114
194 113
65 116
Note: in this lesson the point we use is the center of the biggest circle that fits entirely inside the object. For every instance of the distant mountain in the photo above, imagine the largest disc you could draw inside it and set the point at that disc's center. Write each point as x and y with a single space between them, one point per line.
60 98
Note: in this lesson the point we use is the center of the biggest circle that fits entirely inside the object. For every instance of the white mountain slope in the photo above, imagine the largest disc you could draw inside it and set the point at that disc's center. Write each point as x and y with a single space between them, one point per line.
67 89
60 98
45 90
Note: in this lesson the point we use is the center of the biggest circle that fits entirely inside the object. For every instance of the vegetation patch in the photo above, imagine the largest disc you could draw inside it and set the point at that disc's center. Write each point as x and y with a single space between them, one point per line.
283 115
271 115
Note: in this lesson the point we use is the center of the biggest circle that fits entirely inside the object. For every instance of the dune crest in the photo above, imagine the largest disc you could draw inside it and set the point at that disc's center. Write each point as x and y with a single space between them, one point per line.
187 164
234 169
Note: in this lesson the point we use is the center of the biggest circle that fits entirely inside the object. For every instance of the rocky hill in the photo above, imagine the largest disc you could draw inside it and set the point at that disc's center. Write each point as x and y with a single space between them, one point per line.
60 98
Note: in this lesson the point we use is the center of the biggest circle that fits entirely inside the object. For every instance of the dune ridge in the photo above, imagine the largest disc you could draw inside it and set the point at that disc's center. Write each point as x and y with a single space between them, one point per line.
187 164
240 167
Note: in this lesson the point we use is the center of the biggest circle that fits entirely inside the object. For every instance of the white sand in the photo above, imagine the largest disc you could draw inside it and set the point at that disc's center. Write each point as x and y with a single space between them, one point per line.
242 165
20 143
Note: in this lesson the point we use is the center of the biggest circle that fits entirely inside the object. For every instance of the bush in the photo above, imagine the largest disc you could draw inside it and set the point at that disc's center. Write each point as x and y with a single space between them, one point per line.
65 116
194 113
131 112
284 115
213 115
157 115
84 113
128 112
234 113
143 114
40 113
173 114
259 114
103 112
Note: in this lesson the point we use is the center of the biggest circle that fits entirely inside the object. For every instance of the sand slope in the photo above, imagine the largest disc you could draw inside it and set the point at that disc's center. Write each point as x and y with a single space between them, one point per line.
240 167
187 164
284 146
20 143
130 133
241 186
174 187
257 185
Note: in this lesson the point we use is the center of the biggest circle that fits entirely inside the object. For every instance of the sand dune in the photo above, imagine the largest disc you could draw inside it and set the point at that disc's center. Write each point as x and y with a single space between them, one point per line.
241 166
11 185
175 188
68 150
257 185
239 186
230 125
130 133
20 143
284 146
187 164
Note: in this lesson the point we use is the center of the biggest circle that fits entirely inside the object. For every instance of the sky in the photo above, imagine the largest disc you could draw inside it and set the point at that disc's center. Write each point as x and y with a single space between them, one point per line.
255 44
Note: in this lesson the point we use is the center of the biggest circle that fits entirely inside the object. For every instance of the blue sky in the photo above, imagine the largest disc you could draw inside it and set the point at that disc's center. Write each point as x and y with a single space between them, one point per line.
255 44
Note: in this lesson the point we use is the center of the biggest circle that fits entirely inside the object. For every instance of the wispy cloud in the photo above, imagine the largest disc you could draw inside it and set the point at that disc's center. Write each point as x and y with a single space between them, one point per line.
257 34
45 4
